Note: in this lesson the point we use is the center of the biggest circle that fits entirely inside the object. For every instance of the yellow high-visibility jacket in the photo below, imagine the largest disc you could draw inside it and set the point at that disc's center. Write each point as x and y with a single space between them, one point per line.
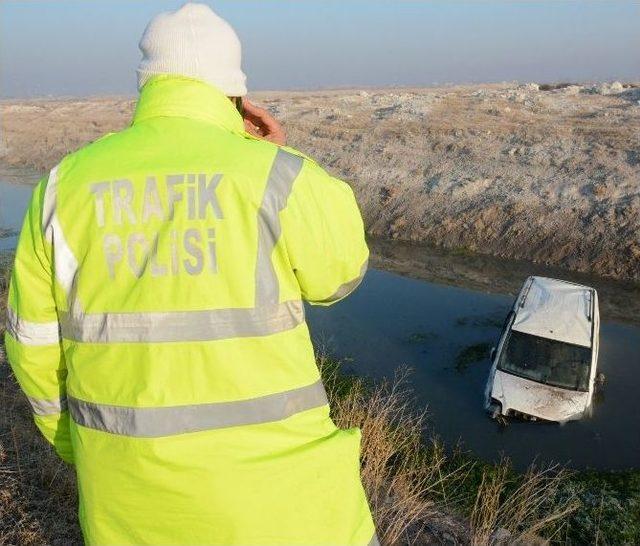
156 324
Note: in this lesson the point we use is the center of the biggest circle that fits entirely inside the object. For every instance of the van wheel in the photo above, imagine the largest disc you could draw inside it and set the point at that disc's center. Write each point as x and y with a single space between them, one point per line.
495 409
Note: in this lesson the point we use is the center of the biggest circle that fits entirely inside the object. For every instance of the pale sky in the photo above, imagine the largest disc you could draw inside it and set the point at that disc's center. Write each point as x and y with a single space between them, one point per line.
91 47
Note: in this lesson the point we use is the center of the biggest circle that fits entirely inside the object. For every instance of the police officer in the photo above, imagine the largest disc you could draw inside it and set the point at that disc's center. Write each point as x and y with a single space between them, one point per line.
156 319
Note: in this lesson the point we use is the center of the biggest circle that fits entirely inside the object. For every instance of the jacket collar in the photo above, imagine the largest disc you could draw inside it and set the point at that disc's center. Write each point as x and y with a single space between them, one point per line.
177 96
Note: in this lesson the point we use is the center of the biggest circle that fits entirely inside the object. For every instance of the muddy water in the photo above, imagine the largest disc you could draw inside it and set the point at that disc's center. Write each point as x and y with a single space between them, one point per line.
440 313
444 333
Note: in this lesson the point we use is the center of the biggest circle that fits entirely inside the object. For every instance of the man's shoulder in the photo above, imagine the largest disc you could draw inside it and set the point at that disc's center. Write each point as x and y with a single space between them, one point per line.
101 149
259 145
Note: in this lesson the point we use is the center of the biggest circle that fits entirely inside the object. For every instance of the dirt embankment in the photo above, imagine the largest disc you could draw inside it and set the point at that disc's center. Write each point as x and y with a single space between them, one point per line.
517 171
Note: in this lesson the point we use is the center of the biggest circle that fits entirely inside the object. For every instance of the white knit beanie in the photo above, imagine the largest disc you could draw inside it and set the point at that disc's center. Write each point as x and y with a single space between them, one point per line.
195 42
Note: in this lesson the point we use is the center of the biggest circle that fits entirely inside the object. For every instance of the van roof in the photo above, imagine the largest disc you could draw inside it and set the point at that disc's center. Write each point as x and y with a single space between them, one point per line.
555 309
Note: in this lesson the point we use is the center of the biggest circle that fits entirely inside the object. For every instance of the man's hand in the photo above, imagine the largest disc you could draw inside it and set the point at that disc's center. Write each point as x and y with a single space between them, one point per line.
260 123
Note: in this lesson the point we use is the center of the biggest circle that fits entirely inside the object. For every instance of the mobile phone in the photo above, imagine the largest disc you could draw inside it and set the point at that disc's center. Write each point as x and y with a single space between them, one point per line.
239 106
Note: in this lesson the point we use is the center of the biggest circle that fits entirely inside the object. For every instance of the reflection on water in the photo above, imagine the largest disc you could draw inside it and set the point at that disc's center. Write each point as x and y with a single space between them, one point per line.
445 333
16 186
619 300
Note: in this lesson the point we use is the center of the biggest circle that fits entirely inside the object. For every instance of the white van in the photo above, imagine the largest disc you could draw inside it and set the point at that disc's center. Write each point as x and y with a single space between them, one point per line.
544 366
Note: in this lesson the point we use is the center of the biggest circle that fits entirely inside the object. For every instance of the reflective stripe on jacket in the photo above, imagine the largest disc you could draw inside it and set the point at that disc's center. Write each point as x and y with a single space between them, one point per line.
156 325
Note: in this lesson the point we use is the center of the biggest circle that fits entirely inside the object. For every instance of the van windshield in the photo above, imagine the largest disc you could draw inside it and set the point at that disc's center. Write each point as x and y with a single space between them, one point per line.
546 361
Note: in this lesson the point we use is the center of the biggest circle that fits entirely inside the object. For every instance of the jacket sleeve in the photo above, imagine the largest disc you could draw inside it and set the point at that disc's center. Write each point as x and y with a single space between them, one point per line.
32 336
324 236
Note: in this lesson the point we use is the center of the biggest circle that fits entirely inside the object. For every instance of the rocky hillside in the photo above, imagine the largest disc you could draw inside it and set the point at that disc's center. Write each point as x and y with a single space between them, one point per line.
546 173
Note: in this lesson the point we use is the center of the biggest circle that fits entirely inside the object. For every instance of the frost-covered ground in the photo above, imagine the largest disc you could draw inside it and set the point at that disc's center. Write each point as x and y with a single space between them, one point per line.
518 171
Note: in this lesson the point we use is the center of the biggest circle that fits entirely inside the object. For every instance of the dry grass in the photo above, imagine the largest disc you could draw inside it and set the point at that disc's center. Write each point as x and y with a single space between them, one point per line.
38 500
407 484
415 490
517 511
